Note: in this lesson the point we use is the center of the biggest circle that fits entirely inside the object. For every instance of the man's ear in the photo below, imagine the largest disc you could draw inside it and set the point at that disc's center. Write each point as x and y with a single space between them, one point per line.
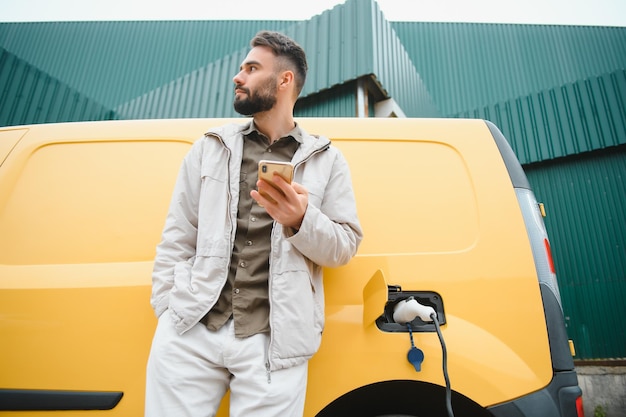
286 79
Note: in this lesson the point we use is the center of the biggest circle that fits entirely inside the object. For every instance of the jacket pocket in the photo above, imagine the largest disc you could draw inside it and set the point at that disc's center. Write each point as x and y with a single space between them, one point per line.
182 274
296 316
181 287
197 284
216 172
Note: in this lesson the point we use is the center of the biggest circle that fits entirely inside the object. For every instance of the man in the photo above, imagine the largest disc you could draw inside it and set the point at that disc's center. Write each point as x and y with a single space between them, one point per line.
237 281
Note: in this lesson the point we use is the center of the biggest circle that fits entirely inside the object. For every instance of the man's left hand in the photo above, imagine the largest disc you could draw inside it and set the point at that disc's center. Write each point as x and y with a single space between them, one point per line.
287 203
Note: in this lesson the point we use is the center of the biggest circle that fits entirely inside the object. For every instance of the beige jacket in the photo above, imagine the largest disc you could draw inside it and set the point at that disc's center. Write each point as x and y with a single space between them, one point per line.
192 260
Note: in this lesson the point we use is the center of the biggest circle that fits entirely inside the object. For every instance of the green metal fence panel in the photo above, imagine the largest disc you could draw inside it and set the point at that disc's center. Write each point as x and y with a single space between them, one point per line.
336 56
577 117
193 97
114 62
458 66
585 198
206 92
339 101
470 65
30 96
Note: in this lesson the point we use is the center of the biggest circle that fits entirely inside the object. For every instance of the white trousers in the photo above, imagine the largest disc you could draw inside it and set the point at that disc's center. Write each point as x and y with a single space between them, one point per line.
188 375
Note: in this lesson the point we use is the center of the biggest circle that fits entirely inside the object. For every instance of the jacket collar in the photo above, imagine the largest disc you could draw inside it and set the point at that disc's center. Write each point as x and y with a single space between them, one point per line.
231 134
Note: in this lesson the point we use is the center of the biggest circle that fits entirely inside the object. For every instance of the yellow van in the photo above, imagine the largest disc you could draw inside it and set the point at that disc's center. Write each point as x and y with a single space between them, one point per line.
450 224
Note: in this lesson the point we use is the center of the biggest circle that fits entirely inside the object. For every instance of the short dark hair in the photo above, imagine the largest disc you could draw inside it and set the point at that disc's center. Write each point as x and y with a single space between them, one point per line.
284 47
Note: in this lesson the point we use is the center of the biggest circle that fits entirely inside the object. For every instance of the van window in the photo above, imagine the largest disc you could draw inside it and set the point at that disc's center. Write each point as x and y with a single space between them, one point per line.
89 202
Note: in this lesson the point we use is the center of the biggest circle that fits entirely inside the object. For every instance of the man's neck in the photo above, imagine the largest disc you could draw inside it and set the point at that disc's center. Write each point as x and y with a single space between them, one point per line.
274 125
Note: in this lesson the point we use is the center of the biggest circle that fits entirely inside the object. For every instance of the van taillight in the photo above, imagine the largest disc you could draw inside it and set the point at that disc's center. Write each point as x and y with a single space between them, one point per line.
579 407
549 254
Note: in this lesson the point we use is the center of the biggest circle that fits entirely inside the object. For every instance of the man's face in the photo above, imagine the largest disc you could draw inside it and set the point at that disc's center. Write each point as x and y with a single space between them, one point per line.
256 83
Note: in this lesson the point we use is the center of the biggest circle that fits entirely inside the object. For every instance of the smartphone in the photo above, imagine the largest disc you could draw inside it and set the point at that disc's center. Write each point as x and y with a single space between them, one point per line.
268 168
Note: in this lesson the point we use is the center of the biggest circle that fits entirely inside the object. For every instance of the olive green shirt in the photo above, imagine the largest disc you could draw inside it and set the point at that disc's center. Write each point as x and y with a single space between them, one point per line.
245 295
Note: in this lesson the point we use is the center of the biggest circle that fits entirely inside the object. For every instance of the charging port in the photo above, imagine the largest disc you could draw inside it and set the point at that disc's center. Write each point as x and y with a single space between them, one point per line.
428 298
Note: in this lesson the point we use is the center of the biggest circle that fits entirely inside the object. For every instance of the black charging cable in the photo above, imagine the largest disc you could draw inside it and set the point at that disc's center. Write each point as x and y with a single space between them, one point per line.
444 352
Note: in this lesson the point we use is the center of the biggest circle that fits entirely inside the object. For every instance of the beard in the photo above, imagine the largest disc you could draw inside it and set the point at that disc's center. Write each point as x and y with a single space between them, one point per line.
255 102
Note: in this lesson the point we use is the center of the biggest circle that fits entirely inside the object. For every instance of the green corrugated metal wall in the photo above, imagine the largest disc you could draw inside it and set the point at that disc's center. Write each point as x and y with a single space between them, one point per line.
114 62
578 117
330 103
462 67
351 41
206 92
557 92
32 96
585 198
469 66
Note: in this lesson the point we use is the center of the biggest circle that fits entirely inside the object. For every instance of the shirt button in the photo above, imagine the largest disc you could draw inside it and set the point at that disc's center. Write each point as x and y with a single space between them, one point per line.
252 219
236 290
269 150
249 243
242 264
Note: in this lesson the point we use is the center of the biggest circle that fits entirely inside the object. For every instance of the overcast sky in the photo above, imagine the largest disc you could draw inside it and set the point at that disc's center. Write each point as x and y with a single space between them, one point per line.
559 12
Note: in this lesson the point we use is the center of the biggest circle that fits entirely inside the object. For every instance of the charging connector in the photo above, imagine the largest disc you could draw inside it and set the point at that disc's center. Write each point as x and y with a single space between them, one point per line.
407 310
